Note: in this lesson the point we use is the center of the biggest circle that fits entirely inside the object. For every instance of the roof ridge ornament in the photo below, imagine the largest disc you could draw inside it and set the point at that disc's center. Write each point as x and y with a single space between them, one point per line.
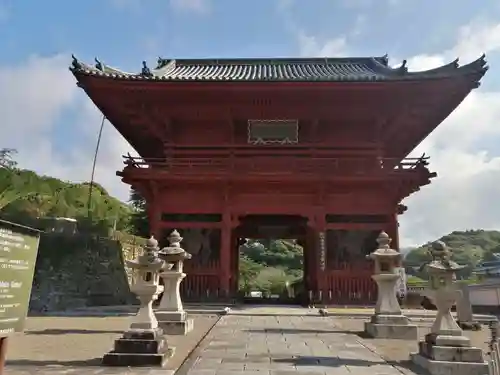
364 69
98 64
75 63
145 71
403 68
161 62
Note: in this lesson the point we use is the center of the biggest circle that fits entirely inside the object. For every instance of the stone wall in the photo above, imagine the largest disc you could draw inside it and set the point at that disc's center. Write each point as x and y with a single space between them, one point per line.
81 270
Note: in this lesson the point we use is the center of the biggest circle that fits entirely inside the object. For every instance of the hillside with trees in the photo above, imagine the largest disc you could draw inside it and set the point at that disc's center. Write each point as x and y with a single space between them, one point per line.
468 248
25 197
267 265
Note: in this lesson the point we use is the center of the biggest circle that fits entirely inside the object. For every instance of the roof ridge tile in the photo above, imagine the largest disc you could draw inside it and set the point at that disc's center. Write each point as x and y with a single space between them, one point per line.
326 69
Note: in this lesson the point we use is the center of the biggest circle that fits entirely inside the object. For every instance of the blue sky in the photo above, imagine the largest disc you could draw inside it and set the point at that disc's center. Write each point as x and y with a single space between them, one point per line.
53 125
124 32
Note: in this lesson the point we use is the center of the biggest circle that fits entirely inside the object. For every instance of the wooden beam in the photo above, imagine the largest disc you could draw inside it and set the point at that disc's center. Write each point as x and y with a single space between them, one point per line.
188 224
358 149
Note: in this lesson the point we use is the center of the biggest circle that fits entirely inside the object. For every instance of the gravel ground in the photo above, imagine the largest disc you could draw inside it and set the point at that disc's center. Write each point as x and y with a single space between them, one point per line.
67 344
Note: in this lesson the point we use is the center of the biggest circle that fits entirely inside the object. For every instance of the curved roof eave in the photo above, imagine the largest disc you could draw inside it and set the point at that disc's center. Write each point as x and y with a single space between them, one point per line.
451 69
368 69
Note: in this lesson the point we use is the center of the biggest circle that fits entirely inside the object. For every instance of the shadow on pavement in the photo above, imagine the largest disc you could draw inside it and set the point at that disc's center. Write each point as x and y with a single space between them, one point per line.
76 363
326 361
339 362
70 332
298 331
80 314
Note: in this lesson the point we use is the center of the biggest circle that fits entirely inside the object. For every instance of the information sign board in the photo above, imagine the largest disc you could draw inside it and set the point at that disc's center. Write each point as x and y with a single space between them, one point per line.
18 252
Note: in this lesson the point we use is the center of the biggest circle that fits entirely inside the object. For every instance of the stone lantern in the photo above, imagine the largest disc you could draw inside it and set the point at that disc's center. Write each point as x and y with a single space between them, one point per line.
388 320
445 349
143 344
170 313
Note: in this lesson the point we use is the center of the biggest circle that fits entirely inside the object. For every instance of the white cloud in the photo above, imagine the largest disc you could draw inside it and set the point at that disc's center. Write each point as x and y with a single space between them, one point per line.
198 6
359 24
465 193
362 4
356 4
476 38
33 97
473 39
312 46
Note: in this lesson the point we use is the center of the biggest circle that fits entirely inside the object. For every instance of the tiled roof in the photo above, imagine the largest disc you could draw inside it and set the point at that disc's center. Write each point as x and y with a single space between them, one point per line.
363 69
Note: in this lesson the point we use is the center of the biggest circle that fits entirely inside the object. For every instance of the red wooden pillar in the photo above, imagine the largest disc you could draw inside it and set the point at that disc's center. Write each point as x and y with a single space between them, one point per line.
393 231
310 259
321 256
225 255
153 208
154 218
235 246
316 275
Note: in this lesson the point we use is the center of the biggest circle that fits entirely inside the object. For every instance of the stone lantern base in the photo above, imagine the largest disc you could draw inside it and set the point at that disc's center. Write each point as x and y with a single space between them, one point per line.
391 327
449 355
136 348
174 322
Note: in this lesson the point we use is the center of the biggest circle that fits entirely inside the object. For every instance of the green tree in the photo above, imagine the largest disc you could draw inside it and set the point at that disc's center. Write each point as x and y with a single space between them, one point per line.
25 196
248 272
139 222
272 280
6 158
13 186
280 253
468 248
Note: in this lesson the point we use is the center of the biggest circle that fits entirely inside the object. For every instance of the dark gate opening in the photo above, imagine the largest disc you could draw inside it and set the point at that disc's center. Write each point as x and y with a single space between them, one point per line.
270 259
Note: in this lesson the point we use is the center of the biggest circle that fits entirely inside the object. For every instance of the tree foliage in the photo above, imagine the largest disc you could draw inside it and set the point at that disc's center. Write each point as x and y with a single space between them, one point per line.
138 218
26 196
6 158
282 253
267 265
249 270
468 248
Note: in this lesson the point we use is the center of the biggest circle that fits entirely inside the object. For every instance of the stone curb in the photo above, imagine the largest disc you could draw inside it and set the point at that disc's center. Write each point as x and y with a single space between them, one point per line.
414 317
95 312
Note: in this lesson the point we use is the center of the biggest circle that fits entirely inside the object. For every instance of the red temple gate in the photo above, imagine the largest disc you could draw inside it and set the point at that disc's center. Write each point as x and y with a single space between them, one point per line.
314 145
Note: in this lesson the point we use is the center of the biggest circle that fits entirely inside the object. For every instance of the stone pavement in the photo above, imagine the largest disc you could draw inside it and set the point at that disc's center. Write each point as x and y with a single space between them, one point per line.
255 340
351 312
284 345
75 345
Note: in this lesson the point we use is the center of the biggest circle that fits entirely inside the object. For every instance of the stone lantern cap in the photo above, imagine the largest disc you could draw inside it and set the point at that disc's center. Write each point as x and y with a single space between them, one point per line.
148 259
441 258
152 243
384 251
174 250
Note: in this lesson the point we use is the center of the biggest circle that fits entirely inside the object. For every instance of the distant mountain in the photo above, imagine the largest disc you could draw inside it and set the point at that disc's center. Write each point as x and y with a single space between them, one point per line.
405 250
469 248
